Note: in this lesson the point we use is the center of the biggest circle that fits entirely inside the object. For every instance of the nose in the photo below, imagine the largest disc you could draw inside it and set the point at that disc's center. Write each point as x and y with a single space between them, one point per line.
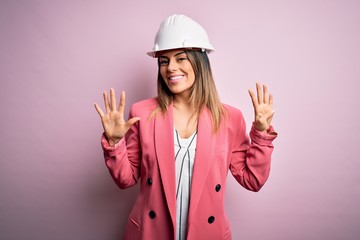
172 66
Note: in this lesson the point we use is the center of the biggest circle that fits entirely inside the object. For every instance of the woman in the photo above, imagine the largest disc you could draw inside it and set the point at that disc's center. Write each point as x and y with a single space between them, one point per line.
181 144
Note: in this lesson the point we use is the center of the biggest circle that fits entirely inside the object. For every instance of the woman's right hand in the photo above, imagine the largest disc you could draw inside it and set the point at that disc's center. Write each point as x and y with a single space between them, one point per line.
113 121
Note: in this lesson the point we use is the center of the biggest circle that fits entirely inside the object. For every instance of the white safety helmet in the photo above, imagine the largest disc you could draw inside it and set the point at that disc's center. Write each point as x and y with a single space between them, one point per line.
180 31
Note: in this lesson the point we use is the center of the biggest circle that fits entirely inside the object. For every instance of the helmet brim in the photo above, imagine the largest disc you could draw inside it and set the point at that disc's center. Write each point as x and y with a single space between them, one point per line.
157 53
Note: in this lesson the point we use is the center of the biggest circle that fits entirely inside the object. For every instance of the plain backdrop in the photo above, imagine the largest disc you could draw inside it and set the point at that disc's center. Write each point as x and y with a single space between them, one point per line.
56 58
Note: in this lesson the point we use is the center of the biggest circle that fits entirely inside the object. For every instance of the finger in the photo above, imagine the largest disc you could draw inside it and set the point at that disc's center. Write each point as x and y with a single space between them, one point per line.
271 100
259 93
112 99
106 101
98 109
266 94
253 99
122 102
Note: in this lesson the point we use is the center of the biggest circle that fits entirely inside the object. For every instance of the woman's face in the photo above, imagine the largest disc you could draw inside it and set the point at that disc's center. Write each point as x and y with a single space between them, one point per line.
177 72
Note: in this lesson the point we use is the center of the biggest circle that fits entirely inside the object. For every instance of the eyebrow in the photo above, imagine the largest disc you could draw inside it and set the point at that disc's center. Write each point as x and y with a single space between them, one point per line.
174 55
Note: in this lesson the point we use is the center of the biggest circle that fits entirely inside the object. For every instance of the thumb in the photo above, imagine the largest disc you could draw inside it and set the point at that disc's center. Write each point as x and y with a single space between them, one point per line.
267 116
132 121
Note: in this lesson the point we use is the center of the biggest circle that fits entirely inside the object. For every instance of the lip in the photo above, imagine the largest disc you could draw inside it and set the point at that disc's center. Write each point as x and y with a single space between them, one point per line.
175 78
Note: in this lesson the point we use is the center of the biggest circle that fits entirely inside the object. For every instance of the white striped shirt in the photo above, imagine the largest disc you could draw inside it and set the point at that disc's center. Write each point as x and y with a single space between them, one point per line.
184 163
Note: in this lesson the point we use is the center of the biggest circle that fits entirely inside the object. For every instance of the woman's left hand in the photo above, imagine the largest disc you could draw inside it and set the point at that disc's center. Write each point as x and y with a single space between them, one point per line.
262 107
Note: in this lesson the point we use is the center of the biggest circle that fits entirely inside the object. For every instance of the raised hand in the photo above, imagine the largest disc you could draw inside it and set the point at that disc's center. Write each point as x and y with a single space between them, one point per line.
262 107
113 121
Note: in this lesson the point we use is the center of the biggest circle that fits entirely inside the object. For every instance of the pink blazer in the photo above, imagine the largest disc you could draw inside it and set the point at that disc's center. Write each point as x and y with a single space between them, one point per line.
147 155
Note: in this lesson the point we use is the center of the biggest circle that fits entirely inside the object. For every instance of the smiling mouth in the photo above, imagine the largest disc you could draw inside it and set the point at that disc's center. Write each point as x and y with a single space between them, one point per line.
175 79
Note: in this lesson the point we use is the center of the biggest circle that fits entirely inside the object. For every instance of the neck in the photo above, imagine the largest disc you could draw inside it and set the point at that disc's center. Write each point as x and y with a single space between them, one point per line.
183 102
185 117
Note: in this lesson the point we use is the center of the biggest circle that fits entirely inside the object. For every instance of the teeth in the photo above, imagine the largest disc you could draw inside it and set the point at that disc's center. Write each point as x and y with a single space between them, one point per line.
176 78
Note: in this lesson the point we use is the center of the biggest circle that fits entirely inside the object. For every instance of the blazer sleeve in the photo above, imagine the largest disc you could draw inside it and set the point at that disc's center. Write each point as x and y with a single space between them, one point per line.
124 158
251 158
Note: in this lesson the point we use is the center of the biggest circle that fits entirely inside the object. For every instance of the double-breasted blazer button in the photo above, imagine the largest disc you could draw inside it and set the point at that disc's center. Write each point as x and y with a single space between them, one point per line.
152 214
211 219
217 188
149 181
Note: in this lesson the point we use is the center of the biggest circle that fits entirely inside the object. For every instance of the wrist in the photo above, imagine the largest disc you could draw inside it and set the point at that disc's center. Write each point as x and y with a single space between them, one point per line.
113 141
260 128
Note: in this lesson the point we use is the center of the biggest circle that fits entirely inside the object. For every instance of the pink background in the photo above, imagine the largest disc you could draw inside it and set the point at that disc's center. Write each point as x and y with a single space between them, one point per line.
56 58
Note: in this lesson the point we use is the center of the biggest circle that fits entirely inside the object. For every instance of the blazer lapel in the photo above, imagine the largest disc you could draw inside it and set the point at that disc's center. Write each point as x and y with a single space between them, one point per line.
164 145
203 159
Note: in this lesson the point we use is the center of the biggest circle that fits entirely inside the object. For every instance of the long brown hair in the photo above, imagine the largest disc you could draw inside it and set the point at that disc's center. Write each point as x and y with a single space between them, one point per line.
203 93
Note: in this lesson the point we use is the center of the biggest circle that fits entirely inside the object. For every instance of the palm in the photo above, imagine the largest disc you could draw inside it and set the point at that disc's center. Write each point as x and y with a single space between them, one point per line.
114 125
113 121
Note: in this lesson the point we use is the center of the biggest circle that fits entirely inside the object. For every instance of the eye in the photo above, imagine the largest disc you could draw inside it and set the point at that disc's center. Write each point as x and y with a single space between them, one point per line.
163 62
182 59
